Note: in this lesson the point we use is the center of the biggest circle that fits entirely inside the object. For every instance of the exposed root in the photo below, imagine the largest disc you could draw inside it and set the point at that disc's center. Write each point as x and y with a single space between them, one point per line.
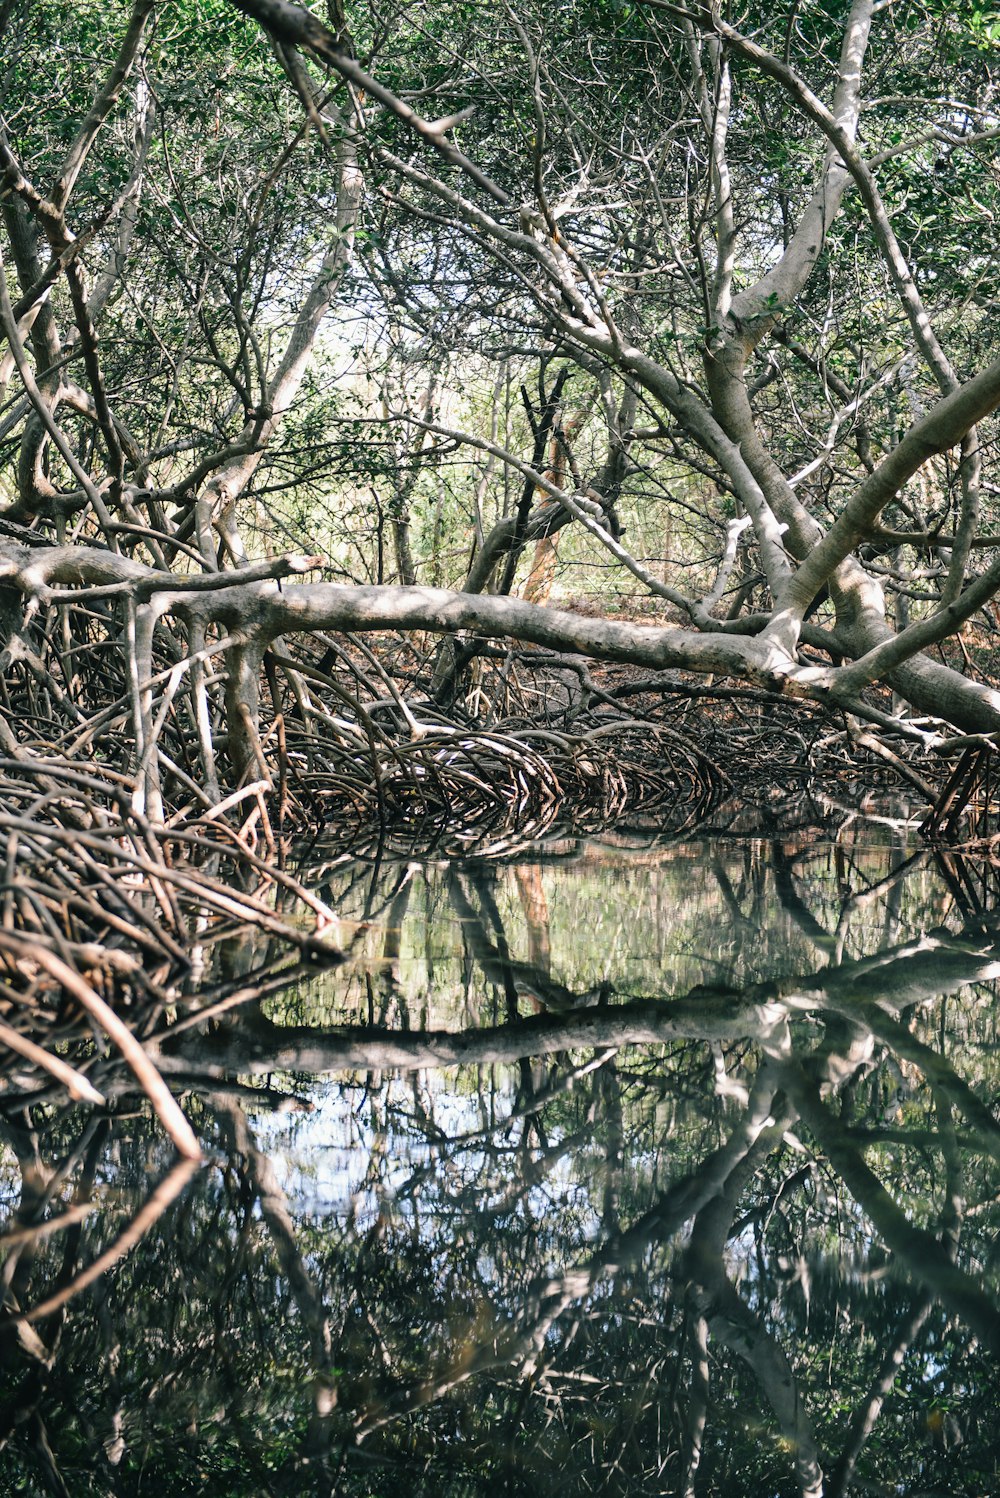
105 921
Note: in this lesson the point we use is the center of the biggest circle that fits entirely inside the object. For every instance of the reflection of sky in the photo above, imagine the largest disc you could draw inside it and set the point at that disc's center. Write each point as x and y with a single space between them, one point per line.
335 1161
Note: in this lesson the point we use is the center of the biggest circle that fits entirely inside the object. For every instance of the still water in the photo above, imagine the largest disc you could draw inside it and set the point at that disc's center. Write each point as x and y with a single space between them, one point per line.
623 1168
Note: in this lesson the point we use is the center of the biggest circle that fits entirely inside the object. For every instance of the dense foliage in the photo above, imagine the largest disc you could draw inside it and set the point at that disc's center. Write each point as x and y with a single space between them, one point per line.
412 293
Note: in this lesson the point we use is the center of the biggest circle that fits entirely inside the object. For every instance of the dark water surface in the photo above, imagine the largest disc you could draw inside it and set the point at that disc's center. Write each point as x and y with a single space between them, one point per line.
635 1170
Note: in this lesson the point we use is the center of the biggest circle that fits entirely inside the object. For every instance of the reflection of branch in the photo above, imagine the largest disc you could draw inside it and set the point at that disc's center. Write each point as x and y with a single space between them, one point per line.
35 1232
258 1045
46 1456
263 982
912 973
278 1220
732 1321
925 1258
935 1067
558 1084
915 972
522 1346
155 1205
864 1418
867 1413
792 902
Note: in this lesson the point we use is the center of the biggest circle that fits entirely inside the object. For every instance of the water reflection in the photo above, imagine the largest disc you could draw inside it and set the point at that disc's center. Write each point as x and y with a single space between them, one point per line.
656 1171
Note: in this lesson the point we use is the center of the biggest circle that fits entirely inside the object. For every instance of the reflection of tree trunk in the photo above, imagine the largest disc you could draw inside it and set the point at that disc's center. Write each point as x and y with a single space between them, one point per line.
611 1094
259 1045
731 1320
393 940
536 913
899 861
516 978
914 973
698 1404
